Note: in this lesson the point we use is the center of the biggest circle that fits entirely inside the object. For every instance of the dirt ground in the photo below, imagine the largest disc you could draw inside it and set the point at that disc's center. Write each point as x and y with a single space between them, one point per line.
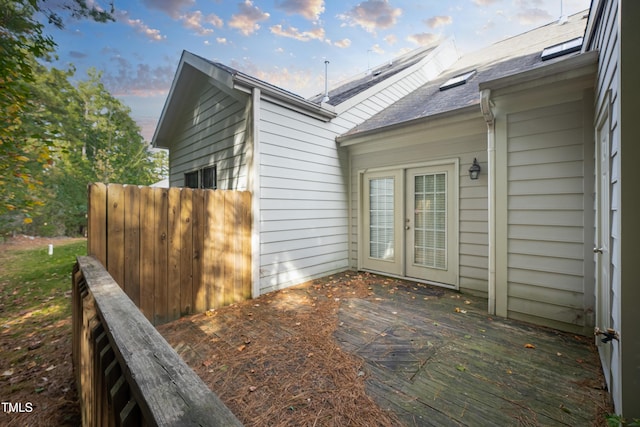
38 382
287 369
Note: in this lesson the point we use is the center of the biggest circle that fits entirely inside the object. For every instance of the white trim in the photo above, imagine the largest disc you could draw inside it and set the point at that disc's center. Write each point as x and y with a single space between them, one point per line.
254 171
455 161
411 279
489 117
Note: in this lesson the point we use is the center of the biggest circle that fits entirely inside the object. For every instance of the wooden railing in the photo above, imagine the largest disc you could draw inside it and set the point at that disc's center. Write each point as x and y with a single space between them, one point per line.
126 373
174 251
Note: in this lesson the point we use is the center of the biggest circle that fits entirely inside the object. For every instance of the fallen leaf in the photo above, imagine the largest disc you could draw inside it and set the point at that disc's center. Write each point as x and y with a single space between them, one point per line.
206 363
242 347
509 371
461 368
7 373
457 309
529 346
467 302
50 368
558 354
253 388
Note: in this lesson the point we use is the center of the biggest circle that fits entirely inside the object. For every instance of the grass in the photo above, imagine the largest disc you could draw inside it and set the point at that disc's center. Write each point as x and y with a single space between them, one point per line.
36 286
35 331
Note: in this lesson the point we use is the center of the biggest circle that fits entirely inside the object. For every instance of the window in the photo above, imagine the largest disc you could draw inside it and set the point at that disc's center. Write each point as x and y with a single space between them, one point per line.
561 49
202 178
209 178
458 80
191 179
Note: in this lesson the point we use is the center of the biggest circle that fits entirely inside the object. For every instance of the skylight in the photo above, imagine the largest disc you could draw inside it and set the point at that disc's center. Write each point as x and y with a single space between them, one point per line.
458 80
561 49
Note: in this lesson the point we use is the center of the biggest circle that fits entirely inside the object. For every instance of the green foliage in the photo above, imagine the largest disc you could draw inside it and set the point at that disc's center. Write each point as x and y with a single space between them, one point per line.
615 420
56 136
23 149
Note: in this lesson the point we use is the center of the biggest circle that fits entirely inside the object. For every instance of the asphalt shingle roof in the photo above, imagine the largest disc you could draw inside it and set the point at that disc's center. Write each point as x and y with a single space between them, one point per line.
507 57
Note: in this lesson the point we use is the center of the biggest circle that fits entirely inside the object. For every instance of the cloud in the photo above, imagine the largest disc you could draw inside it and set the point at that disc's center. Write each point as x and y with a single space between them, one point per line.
195 21
377 49
438 21
139 26
372 15
309 9
290 79
294 33
533 16
391 39
77 55
344 43
137 79
170 7
483 3
422 39
221 40
246 21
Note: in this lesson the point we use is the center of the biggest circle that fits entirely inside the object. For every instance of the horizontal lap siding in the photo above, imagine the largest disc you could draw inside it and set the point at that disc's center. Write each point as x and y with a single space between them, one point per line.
420 146
303 215
212 132
546 200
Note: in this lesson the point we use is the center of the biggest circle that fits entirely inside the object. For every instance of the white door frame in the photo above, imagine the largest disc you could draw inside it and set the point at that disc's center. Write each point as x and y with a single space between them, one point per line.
362 213
602 249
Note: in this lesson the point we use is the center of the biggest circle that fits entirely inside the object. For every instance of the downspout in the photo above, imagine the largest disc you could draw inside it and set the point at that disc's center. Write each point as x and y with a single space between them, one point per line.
489 118
254 169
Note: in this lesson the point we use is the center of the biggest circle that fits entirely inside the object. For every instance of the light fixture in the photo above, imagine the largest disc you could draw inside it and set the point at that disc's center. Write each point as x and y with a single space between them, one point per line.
474 170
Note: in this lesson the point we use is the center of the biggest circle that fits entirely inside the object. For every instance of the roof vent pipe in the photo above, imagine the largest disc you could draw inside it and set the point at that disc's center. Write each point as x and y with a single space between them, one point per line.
326 81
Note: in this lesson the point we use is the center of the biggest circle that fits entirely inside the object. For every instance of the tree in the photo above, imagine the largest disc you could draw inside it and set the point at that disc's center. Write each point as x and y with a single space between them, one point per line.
23 153
92 138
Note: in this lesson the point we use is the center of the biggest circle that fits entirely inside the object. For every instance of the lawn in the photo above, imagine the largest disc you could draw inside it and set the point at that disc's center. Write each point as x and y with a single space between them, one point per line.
36 374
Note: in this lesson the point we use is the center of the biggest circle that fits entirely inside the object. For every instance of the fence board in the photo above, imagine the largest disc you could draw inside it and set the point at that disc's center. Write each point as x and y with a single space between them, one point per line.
173 251
147 254
132 243
186 252
115 231
126 372
161 259
197 216
173 264
97 232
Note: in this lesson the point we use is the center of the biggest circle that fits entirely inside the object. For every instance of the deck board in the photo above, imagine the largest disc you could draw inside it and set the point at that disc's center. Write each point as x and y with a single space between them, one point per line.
435 357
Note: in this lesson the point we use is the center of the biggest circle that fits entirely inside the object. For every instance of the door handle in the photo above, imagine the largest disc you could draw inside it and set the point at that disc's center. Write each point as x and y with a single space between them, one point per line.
406 227
597 250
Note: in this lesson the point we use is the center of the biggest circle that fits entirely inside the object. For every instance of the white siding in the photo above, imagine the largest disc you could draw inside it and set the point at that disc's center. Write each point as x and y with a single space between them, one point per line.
608 105
415 145
211 131
303 217
545 214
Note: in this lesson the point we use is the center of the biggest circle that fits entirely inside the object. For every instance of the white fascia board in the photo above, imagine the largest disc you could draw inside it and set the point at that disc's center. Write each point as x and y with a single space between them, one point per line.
595 15
430 122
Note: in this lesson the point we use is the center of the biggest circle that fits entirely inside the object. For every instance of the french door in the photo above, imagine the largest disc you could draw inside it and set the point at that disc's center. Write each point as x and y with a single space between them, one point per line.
410 223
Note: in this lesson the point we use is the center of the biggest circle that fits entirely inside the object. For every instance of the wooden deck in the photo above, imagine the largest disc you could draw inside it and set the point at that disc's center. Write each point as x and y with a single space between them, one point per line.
433 357
436 358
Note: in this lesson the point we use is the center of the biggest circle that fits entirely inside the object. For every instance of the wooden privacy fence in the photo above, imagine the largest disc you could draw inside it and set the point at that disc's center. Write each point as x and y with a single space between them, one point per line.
174 251
126 372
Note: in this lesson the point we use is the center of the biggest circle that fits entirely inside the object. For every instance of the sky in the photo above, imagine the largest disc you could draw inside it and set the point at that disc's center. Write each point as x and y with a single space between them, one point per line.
284 42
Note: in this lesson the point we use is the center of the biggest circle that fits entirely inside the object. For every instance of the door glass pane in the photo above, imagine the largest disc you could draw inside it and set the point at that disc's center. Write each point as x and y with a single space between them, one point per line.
430 219
381 215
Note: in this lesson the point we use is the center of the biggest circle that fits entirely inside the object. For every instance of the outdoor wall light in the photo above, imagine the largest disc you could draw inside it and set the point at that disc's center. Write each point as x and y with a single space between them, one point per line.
474 170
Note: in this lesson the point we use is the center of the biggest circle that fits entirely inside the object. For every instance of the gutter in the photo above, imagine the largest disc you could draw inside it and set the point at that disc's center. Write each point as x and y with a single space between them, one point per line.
489 118
461 114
